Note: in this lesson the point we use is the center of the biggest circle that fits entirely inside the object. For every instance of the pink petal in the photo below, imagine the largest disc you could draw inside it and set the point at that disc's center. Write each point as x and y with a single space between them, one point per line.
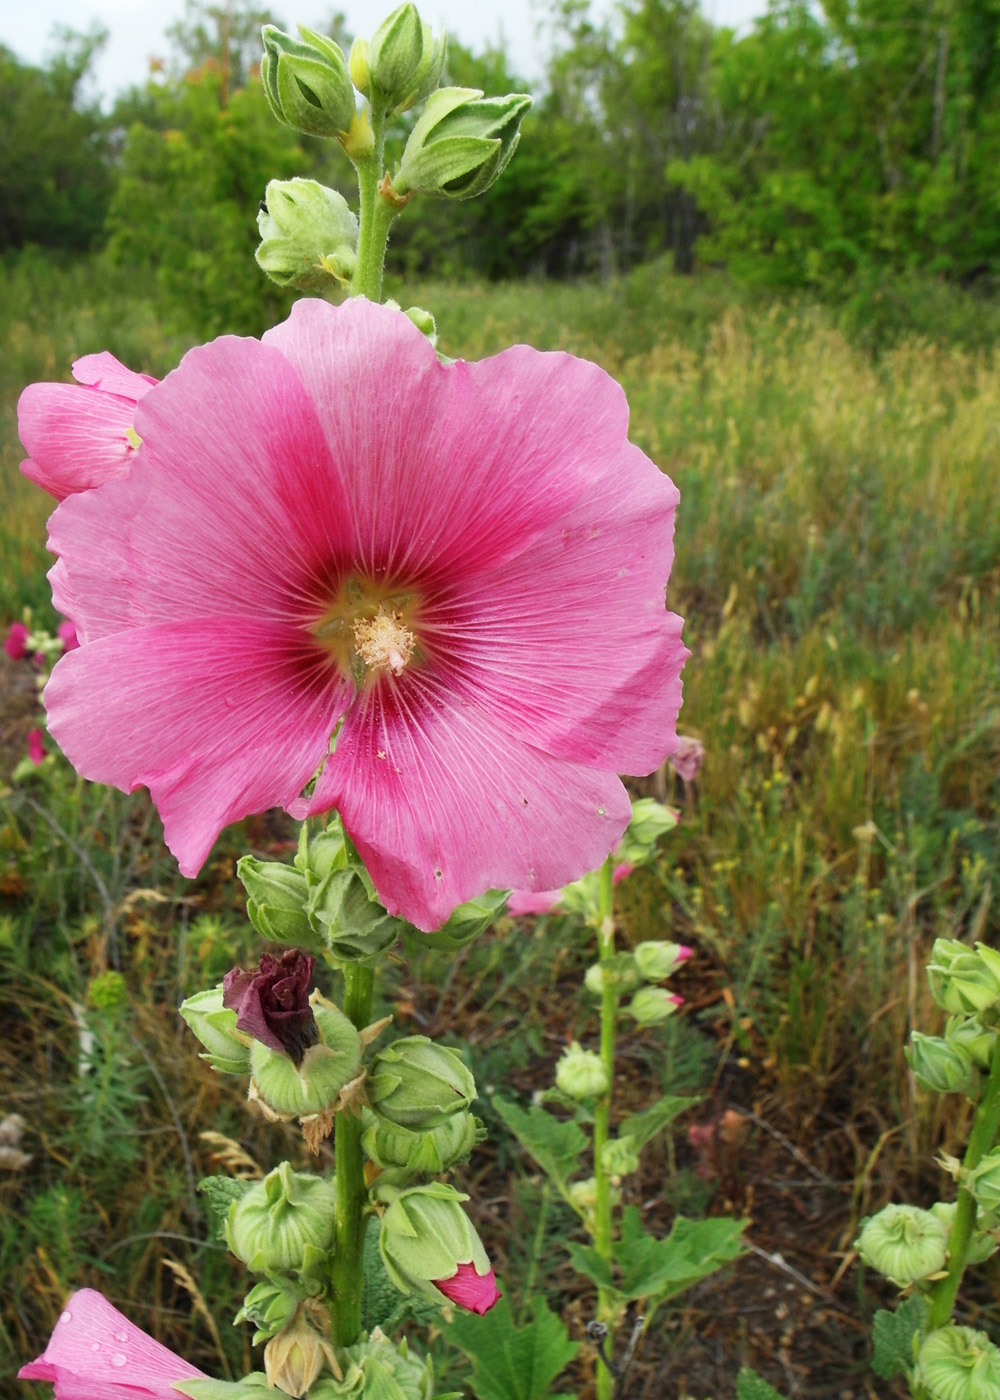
569 645
14 642
521 902
75 436
103 371
36 748
443 805
66 633
217 719
449 469
235 508
96 1353
475 1292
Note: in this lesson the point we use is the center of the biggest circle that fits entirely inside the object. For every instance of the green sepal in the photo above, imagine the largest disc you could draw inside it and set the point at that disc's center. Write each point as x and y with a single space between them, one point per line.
276 899
461 143
306 82
204 1388
228 1050
468 920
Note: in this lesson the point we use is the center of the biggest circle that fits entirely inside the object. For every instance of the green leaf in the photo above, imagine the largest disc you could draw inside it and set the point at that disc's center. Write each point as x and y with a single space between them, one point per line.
750 1386
645 1126
659 1269
555 1146
587 1261
892 1336
220 1192
512 1362
249 1388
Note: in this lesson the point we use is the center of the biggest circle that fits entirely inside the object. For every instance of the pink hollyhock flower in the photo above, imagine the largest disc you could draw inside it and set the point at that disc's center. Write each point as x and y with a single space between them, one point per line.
15 641
66 633
36 748
688 757
77 435
96 1353
462 566
544 901
467 1289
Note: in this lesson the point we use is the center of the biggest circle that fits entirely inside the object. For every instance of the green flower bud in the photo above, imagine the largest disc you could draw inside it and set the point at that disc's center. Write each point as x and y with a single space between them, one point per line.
984 1242
474 917
355 926
310 238
284 1223
650 821
461 143
961 981
583 1195
651 1005
215 1026
276 898
378 1369
419 1084
942 1065
306 82
656 961
904 1243
620 1156
424 322
358 65
958 1363
984 1180
430 1150
404 61
622 971
270 1305
426 1235
295 1356
582 1074
289 1090
973 1036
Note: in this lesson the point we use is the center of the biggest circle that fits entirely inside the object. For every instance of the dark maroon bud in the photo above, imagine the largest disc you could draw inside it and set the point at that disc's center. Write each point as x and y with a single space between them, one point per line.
271 1002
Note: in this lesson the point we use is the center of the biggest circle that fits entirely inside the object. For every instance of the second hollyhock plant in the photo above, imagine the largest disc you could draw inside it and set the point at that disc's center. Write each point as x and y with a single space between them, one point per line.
458 569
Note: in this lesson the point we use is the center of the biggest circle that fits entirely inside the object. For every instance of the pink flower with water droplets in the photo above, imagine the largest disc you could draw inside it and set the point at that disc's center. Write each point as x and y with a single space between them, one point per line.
475 1292
81 435
96 1353
15 642
458 568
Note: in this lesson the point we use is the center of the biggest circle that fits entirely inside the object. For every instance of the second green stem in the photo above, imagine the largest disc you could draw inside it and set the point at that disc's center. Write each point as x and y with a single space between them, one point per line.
603 1242
347 1273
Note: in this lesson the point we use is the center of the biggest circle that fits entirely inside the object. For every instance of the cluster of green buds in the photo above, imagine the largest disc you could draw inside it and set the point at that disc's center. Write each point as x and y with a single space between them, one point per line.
650 962
377 1367
966 982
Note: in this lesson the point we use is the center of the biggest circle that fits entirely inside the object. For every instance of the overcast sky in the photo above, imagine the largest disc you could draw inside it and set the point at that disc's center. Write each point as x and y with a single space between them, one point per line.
136 27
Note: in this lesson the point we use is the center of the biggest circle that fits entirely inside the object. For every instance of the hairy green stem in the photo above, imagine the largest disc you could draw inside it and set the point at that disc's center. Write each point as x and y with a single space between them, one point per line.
602 1117
375 216
984 1132
347 1272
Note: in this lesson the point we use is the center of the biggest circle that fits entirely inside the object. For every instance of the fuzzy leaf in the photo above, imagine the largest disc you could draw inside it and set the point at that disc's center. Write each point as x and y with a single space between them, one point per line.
645 1126
587 1261
892 1336
750 1386
220 1192
512 1362
555 1146
659 1269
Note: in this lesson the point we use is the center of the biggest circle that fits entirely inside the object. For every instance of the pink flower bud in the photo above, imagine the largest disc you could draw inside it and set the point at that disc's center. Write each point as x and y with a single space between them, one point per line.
95 1350
36 749
14 642
66 633
467 1289
687 758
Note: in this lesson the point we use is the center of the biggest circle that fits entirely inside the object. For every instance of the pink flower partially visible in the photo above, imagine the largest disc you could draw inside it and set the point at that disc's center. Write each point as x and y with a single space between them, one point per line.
467 1289
36 748
521 902
15 641
66 633
77 435
96 1353
461 565
688 757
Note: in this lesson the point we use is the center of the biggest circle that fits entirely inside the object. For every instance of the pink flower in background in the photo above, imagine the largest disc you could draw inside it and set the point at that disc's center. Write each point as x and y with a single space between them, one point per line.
15 641
77 435
688 757
475 1292
36 748
66 633
544 901
462 565
95 1353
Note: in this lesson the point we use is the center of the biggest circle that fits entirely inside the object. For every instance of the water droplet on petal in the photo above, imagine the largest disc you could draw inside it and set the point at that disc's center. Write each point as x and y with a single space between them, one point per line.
66 1316
121 1336
119 1359
95 1346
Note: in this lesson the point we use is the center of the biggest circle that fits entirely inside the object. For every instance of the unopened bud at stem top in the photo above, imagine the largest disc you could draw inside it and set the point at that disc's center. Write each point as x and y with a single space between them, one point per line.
306 82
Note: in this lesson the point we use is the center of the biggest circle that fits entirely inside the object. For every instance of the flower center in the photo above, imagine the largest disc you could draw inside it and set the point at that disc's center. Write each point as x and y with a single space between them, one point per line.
383 642
370 627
